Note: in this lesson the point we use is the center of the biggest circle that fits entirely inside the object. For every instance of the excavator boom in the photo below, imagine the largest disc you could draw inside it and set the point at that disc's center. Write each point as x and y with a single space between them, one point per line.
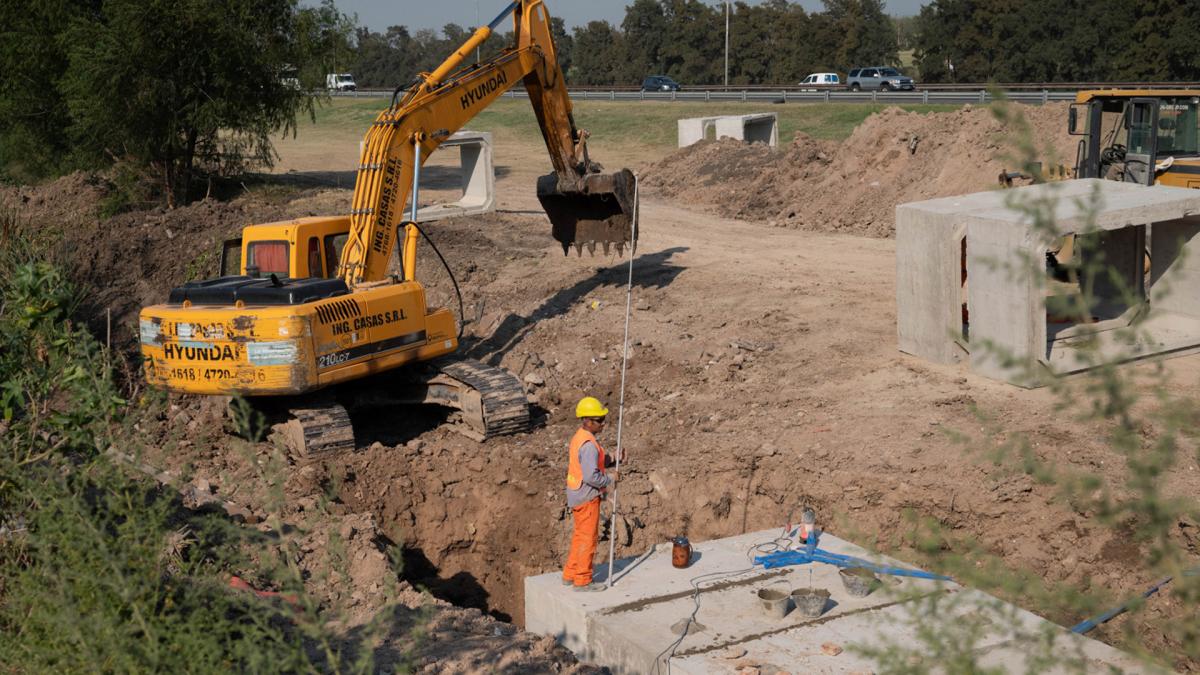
585 207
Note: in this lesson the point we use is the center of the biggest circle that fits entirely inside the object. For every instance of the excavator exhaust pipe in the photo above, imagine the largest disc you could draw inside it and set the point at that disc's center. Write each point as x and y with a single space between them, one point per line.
599 209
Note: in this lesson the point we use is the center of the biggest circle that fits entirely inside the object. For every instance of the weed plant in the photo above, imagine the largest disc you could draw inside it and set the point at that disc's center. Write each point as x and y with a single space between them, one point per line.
102 569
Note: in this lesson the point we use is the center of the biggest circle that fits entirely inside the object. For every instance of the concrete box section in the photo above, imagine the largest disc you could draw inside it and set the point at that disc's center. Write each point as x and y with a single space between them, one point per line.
971 279
754 128
694 129
629 628
478 178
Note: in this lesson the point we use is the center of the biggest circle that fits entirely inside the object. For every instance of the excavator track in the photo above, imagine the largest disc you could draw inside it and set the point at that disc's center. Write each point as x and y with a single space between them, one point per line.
321 430
492 400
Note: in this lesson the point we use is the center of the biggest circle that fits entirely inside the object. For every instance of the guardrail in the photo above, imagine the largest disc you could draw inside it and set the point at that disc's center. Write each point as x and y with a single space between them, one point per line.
781 96
940 93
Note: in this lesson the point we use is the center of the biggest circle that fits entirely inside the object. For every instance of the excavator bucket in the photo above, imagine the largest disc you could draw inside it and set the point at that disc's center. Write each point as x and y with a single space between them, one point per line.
600 211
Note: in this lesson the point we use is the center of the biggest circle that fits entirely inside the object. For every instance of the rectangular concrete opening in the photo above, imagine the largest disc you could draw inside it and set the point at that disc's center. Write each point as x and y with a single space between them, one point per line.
1095 283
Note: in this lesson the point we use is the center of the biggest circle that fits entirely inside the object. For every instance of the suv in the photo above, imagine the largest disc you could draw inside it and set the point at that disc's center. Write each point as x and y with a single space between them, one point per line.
883 78
659 83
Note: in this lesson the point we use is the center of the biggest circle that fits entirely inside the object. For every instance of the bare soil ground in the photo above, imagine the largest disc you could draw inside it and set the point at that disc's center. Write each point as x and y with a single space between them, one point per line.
763 377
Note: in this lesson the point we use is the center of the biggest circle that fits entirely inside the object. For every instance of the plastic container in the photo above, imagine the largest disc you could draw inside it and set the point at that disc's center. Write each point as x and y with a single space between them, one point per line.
859 581
681 552
810 601
774 602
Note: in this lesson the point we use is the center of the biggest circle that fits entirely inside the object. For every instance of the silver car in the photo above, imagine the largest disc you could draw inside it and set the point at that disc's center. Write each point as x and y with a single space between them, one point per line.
883 78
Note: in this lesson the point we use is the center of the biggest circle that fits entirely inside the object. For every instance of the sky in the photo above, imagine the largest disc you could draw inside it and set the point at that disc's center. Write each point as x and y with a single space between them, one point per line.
377 15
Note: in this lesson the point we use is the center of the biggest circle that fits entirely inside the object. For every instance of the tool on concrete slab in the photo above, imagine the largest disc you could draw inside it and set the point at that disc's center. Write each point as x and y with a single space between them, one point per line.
858 581
810 601
774 602
681 552
633 227
807 534
786 558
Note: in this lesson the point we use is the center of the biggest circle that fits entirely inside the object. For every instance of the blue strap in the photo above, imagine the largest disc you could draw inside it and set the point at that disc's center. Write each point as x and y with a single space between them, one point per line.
786 558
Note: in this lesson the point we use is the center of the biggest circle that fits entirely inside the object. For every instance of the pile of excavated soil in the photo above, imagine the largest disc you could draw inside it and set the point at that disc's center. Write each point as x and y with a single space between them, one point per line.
892 158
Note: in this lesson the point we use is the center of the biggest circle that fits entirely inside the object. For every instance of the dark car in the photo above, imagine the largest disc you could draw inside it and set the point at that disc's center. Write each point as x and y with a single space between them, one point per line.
883 78
659 83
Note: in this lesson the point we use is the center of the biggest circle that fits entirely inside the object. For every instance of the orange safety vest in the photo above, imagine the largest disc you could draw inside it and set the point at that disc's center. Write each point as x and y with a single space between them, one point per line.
574 470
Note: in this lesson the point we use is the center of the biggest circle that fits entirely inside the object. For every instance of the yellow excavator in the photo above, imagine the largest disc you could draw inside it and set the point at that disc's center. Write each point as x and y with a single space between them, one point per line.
1147 136
314 323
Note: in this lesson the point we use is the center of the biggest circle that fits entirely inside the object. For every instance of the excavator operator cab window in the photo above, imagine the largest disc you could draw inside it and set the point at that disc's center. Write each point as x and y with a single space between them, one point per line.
1178 124
314 258
264 258
333 251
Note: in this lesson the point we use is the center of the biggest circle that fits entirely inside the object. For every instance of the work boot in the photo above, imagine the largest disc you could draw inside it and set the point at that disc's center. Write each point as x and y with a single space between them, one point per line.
568 582
590 588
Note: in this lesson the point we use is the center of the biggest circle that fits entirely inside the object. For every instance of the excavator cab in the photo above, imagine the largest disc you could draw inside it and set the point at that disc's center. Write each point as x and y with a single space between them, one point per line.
1138 136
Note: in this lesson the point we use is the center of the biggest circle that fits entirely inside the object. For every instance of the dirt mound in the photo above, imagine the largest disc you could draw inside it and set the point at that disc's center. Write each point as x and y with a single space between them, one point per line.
62 203
134 259
893 157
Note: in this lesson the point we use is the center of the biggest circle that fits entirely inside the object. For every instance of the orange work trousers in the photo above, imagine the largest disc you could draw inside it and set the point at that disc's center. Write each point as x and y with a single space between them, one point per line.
583 543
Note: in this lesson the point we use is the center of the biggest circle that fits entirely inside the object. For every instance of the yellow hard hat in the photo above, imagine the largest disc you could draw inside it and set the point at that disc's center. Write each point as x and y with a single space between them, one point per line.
589 406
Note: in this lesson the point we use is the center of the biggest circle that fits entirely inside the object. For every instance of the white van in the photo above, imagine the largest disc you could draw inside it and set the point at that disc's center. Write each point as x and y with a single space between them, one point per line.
819 81
340 82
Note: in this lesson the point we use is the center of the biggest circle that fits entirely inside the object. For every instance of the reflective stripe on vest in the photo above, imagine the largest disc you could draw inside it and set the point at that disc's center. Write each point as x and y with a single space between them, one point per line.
574 470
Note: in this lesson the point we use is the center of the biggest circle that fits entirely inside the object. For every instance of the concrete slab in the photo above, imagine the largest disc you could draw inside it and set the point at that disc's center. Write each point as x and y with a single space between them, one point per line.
629 628
983 250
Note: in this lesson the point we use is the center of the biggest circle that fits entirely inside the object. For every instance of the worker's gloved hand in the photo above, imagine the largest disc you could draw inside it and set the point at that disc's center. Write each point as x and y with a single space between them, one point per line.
621 455
612 475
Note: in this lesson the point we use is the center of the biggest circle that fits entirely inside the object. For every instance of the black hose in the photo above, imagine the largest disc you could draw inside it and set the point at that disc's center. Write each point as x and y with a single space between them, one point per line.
462 317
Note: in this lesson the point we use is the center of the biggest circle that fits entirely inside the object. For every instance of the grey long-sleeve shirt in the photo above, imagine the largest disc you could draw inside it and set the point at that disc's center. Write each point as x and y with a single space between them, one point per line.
594 480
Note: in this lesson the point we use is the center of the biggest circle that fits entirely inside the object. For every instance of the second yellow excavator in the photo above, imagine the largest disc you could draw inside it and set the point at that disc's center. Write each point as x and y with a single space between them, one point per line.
314 319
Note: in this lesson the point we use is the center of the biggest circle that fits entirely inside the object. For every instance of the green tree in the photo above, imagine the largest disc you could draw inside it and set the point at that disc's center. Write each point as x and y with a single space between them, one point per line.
645 30
596 55
178 87
694 53
869 36
33 111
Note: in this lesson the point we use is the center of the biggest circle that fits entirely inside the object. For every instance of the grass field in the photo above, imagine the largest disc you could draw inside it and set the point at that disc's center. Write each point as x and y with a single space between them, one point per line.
651 124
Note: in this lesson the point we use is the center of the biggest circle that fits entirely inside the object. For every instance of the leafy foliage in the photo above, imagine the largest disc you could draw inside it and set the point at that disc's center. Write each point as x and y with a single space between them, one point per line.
770 42
1057 40
181 87
99 571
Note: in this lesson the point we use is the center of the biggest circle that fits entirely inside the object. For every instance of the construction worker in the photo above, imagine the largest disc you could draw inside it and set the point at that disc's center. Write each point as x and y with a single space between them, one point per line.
587 480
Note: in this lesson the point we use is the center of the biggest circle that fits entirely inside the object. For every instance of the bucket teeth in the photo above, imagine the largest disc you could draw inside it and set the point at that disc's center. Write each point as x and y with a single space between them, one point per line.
596 208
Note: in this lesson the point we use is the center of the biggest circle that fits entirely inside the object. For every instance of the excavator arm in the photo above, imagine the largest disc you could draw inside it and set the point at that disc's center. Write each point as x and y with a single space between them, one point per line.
584 206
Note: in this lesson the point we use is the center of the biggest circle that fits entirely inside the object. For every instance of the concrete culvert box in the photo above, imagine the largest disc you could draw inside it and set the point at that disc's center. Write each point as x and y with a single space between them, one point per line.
977 281
477 176
753 128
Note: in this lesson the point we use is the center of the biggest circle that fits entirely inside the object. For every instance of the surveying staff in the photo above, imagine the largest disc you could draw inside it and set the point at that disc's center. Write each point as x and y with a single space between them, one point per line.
587 480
